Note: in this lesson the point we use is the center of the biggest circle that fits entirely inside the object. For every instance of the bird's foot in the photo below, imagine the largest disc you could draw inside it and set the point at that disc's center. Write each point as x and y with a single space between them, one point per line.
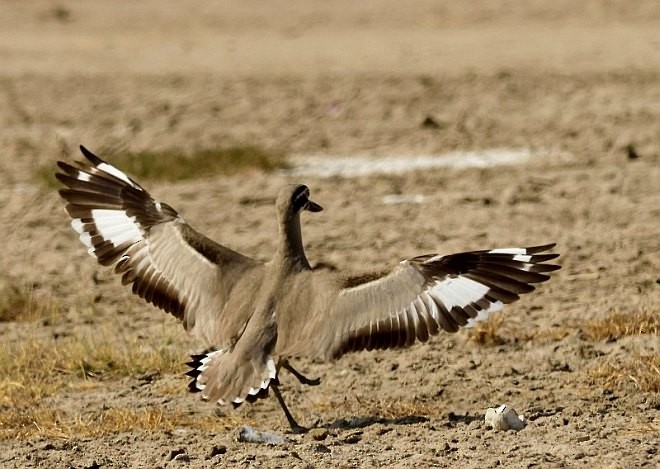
298 429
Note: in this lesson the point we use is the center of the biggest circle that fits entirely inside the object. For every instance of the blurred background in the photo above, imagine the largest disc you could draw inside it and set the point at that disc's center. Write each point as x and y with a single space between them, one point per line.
336 77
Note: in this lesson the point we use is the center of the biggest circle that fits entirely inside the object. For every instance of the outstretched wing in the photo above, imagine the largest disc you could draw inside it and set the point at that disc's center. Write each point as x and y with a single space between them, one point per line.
417 299
168 263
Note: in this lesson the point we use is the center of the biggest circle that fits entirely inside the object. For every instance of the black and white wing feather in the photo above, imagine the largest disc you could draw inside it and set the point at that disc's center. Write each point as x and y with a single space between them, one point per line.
167 262
419 298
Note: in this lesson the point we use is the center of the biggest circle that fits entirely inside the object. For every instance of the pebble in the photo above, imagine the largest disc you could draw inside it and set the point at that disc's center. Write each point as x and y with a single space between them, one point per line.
182 458
318 434
504 418
321 448
176 452
250 435
217 450
354 438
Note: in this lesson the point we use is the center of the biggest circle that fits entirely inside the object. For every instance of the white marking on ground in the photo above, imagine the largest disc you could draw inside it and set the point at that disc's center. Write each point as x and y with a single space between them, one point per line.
354 166
396 199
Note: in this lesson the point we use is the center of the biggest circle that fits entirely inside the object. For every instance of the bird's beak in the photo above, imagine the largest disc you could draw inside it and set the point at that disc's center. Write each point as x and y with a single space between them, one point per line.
313 206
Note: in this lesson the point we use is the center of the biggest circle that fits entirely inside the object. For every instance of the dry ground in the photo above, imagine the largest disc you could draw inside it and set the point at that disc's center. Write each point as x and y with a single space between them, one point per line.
91 377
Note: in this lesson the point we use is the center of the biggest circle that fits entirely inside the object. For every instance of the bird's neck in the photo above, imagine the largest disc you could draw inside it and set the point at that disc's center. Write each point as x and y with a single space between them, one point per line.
290 249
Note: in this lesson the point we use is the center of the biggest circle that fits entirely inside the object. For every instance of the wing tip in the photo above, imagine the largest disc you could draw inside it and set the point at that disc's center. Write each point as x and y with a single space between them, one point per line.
95 160
540 248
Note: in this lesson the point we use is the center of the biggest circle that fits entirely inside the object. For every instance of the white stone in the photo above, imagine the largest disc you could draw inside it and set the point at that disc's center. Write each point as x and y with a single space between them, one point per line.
504 418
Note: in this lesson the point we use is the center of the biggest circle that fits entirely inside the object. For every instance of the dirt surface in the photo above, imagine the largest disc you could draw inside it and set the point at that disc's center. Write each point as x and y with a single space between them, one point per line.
579 79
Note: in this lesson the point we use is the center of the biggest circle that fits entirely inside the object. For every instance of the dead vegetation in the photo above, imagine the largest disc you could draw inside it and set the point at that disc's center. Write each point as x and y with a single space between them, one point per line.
175 165
31 371
20 303
489 332
29 422
619 325
643 372
34 369
496 330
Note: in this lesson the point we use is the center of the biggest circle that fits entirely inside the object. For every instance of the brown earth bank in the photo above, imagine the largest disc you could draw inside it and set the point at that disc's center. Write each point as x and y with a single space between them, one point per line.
92 377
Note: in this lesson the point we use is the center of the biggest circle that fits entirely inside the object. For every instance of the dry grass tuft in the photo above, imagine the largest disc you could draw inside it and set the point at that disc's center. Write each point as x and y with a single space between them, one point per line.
32 370
495 331
177 165
174 165
642 371
28 422
618 325
19 303
489 333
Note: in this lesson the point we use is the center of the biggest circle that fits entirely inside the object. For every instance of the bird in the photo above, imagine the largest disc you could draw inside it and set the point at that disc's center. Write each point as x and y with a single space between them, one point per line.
254 317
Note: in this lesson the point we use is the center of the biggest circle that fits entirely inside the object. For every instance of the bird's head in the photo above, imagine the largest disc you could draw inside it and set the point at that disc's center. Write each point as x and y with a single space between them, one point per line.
294 198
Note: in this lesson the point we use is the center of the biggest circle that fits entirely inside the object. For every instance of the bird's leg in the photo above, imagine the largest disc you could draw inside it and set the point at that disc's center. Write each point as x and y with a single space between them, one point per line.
295 428
302 378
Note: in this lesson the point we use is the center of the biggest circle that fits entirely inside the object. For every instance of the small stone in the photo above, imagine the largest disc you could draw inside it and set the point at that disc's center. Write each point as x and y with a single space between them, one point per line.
216 451
248 434
583 438
631 152
321 448
430 123
504 418
352 439
176 452
182 458
318 434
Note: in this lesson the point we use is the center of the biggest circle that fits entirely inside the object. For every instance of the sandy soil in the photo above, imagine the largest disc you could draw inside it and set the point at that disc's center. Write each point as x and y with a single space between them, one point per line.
347 78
